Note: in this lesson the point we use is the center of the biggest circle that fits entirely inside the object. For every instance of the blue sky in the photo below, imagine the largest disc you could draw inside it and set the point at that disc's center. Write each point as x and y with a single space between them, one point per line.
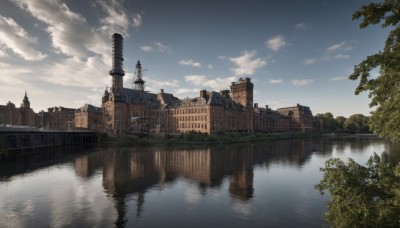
294 51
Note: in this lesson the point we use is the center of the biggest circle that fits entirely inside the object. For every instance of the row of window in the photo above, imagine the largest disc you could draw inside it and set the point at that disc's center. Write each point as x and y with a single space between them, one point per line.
192 118
193 125
191 110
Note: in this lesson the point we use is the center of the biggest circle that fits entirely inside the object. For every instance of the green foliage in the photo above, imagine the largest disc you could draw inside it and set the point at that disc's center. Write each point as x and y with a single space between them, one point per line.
327 122
361 196
384 88
340 122
357 123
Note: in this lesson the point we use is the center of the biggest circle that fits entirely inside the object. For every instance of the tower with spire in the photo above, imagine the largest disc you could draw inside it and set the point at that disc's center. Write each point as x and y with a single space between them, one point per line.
25 102
27 114
138 79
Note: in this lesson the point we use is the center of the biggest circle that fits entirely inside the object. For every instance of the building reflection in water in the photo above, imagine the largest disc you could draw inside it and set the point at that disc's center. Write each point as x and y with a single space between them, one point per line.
128 176
129 173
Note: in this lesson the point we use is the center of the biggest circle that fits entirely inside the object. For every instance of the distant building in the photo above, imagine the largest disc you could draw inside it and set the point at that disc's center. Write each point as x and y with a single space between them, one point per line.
59 118
269 121
89 117
301 118
22 116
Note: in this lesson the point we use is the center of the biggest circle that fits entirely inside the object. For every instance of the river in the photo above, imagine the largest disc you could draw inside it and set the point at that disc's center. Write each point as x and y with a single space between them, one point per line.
263 184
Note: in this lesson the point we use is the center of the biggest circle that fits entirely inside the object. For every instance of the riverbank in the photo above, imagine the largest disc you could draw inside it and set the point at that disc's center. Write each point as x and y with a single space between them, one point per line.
194 138
348 135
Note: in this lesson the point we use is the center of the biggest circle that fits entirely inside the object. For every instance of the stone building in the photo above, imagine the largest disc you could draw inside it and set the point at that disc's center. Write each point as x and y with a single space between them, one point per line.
89 117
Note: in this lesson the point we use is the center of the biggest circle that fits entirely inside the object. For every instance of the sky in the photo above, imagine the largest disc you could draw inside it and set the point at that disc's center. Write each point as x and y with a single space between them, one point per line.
295 52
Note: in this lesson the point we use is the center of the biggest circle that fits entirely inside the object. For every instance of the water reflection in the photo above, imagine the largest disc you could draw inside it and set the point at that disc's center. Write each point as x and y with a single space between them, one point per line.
129 173
128 176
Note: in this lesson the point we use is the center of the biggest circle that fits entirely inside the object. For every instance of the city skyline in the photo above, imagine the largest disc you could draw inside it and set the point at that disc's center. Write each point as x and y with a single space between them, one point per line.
302 52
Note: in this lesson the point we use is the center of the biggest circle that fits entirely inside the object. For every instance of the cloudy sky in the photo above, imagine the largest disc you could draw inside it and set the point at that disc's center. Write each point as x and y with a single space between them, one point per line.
294 51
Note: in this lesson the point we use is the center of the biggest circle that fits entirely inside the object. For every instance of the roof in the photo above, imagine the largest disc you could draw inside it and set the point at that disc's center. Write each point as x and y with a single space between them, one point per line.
170 99
302 110
139 97
88 108
213 98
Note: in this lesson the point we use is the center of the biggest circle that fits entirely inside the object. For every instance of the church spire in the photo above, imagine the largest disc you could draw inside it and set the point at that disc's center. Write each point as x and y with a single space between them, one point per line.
25 101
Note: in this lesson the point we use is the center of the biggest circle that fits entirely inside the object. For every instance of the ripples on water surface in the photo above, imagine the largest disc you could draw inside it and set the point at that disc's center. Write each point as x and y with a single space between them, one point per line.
241 185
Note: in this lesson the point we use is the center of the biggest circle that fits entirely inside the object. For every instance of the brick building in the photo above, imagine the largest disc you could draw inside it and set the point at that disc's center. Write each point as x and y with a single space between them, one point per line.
89 117
135 110
22 116
301 118
59 118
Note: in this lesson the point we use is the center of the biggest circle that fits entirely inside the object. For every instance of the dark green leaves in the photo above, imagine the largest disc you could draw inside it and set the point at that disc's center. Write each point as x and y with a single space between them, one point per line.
383 89
361 196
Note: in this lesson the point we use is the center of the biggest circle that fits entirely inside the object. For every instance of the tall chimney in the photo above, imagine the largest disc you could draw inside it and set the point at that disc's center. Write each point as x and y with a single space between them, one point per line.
117 71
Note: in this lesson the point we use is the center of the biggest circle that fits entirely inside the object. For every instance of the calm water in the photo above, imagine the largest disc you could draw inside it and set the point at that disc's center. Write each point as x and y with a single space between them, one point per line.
240 185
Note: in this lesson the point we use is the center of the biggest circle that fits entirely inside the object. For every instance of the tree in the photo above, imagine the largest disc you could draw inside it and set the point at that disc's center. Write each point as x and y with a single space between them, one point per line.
327 122
361 196
340 121
384 89
357 123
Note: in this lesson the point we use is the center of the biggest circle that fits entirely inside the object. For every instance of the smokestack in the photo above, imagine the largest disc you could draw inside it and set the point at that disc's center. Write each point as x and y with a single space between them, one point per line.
117 71
117 55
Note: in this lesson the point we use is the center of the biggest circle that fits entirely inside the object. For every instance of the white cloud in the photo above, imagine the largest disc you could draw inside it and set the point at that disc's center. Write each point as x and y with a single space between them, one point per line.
13 76
116 18
302 26
349 48
18 40
221 57
338 78
210 66
157 84
189 63
276 43
195 79
216 84
341 56
276 81
84 52
246 65
182 91
301 82
77 72
2 53
336 46
146 48
156 45
309 61
69 32
161 47
137 20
